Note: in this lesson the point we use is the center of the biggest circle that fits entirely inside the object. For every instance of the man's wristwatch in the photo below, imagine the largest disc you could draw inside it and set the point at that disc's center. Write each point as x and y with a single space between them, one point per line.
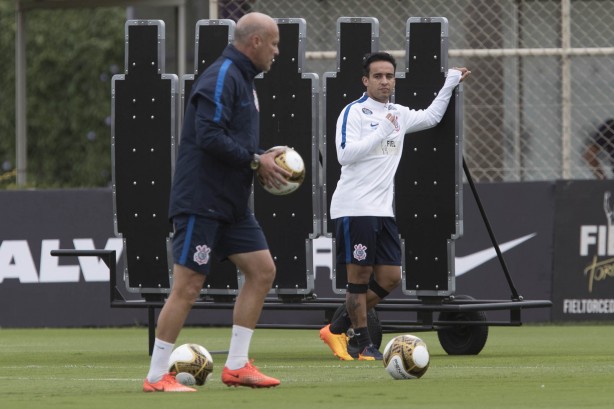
255 163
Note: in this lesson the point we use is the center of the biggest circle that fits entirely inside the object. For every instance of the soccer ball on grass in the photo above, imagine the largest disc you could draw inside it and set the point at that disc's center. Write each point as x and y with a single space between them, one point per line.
291 161
406 357
192 364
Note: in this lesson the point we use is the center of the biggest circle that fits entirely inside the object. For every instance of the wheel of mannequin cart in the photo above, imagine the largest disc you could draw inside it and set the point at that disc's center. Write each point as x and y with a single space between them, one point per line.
462 339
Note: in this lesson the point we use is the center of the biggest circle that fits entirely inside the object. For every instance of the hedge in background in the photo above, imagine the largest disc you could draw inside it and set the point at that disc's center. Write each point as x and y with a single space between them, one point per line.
71 56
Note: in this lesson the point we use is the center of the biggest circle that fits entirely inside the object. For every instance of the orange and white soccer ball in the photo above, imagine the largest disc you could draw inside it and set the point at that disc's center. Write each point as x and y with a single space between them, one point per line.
406 357
291 161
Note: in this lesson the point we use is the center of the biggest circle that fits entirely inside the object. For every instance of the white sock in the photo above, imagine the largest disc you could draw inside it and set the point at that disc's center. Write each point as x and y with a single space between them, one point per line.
159 360
239 347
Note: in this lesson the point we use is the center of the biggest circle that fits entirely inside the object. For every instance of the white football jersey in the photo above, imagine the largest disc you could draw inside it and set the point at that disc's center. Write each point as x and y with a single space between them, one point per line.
369 150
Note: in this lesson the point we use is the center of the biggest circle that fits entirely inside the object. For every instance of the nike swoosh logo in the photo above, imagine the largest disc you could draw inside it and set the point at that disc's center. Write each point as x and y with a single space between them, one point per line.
467 263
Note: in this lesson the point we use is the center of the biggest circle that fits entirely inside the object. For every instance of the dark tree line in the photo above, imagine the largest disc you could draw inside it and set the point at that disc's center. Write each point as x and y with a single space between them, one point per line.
71 56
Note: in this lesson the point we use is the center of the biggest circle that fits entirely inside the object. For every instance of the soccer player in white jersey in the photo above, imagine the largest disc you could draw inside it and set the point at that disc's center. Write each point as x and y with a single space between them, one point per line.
369 142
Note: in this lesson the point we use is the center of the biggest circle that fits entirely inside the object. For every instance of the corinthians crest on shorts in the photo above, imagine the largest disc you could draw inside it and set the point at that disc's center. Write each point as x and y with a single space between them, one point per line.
360 252
201 255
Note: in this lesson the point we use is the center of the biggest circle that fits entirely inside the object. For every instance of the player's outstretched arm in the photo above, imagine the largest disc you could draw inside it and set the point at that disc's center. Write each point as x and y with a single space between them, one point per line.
431 116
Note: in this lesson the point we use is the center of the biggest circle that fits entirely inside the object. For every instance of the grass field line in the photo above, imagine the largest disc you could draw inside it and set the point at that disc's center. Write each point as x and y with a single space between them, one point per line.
349 366
67 379
74 367
352 366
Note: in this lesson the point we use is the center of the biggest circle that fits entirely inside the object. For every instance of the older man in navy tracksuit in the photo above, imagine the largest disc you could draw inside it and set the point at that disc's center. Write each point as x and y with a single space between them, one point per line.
218 156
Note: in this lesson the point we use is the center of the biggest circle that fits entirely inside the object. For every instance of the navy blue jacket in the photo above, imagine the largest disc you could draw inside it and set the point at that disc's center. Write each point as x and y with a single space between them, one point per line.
220 135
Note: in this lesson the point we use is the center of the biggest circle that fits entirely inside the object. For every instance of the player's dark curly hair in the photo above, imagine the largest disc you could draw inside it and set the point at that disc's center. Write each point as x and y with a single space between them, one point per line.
378 56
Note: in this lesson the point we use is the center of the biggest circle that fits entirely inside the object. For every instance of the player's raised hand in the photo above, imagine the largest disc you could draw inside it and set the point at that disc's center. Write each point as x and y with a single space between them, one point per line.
464 72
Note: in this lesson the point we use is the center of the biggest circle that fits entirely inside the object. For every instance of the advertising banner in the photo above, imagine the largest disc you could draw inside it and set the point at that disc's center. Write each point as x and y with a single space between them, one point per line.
584 251
39 290
521 217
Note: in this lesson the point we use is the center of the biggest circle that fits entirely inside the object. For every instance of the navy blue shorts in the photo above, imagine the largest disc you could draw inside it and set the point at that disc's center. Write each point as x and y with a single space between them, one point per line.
197 239
368 241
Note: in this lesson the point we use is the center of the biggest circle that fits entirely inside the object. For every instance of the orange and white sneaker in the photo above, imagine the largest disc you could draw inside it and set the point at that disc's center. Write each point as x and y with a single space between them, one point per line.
338 343
168 383
249 375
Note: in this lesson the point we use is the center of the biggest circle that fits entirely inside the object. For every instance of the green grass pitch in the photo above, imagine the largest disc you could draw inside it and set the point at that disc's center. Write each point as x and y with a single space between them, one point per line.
520 367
